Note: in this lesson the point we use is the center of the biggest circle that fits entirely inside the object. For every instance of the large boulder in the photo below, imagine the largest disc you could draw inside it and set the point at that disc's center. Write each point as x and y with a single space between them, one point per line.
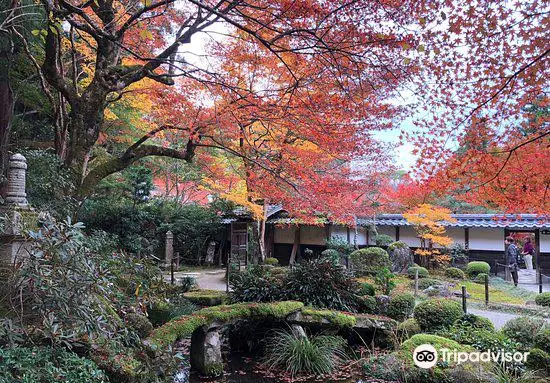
206 353
401 257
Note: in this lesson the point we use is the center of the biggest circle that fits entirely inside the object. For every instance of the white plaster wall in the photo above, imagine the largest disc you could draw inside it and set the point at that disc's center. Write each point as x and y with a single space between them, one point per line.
545 243
457 234
407 234
284 234
361 236
313 235
487 238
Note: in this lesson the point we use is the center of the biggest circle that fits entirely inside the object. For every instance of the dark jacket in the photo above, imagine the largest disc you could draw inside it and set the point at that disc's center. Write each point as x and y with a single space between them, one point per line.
511 255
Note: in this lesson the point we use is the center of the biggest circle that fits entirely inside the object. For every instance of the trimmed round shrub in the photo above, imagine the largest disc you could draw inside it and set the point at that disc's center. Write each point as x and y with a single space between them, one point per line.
383 240
476 267
43 364
140 324
542 339
543 299
369 261
455 273
409 327
271 261
538 360
368 305
474 321
401 306
366 289
480 278
524 329
436 314
422 272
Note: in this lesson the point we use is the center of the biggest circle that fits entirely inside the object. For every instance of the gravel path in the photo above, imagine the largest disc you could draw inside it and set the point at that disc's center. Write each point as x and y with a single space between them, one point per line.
211 279
497 317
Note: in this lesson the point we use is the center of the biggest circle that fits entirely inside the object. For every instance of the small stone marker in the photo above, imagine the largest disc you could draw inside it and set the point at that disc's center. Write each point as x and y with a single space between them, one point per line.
16 192
169 250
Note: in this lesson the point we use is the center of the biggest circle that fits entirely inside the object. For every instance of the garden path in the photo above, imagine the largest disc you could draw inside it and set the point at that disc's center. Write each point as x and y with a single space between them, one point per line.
207 279
498 318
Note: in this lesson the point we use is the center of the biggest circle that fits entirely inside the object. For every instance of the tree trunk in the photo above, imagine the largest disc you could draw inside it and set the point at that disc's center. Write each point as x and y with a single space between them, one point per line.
6 109
295 246
261 230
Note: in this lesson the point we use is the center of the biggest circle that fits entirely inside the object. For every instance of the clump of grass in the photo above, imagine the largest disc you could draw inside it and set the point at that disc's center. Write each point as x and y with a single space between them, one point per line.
317 355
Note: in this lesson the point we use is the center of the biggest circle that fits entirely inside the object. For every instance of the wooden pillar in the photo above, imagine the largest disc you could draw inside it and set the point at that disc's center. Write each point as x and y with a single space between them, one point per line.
396 233
348 235
467 238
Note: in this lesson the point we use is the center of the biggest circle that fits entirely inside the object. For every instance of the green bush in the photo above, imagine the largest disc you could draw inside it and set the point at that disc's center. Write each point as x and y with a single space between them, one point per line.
543 299
43 364
332 255
367 305
409 328
474 321
322 284
369 261
538 360
271 261
477 267
542 339
255 284
422 272
384 280
480 278
401 306
187 283
435 314
316 355
366 288
455 273
383 240
140 324
319 283
523 330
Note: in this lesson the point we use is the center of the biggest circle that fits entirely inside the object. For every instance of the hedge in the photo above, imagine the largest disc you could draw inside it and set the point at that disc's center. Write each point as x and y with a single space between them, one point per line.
422 272
543 299
455 273
401 306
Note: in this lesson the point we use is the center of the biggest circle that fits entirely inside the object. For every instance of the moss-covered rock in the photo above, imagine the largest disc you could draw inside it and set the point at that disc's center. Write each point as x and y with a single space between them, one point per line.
337 318
185 325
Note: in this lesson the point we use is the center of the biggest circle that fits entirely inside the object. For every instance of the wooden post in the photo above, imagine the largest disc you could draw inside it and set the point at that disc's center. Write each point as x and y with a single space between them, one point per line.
537 251
486 290
416 282
172 279
396 233
464 300
540 280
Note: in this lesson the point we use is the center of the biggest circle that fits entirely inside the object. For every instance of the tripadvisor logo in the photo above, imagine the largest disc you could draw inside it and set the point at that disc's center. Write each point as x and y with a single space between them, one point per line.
426 356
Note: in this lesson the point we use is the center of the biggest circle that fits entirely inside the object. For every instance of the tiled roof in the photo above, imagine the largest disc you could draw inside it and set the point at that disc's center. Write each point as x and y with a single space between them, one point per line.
517 221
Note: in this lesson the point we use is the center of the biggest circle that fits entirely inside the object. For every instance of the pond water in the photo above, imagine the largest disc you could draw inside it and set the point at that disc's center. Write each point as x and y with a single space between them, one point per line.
241 369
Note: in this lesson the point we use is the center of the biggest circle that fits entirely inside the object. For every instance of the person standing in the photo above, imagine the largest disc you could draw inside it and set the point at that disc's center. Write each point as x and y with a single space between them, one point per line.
528 253
511 258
